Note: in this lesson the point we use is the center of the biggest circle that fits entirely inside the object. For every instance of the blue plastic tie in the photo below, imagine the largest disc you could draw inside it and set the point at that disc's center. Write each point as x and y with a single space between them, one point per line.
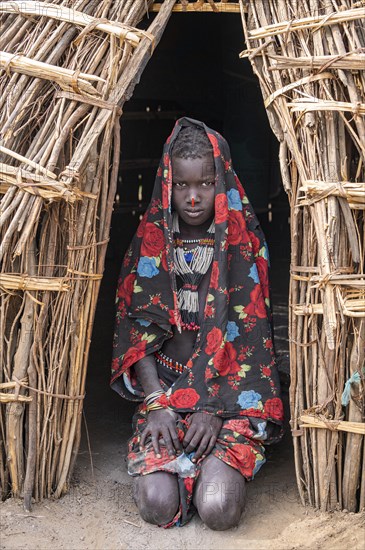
354 379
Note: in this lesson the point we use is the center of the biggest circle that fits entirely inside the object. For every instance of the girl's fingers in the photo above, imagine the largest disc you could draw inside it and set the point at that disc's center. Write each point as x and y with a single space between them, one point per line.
168 441
202 449
210 445
143 438
194 442
175 439
155 445
189 435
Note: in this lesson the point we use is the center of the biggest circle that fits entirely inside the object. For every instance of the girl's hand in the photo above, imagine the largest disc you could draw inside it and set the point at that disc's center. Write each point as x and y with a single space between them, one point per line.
202 434
162 423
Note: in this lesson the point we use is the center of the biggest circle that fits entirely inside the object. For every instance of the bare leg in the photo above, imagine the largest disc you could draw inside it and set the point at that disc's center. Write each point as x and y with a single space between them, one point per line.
157 497
220 494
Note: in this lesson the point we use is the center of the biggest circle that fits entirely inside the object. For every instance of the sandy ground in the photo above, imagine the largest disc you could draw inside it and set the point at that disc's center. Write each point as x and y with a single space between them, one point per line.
99 512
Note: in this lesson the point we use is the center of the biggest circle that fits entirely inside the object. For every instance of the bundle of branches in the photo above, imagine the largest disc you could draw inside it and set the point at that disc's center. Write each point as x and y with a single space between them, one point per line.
66 70
309 58
216 6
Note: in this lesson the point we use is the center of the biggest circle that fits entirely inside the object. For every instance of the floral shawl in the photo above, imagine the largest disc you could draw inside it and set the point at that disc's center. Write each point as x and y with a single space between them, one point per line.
232 371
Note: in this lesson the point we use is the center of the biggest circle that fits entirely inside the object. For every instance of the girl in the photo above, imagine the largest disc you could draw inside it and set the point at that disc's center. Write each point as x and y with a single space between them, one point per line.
193 338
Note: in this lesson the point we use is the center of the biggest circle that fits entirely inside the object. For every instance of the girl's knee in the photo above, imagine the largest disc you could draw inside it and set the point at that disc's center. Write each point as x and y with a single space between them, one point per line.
156 513
220 503
157 504
219 515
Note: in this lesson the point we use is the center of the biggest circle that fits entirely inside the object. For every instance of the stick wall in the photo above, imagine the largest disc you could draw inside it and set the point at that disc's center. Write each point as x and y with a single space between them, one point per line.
308 57
68 68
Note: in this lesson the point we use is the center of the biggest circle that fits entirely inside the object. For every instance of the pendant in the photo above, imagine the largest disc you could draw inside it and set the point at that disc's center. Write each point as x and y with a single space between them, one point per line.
188 256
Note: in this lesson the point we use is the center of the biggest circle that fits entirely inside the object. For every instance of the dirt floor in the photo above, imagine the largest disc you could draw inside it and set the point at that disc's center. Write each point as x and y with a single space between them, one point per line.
99 513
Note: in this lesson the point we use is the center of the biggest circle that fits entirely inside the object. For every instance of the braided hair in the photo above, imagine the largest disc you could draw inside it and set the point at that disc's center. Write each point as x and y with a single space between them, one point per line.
192 142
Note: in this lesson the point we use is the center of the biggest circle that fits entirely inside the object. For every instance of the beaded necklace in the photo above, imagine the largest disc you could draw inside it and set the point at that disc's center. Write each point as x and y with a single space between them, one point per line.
191 265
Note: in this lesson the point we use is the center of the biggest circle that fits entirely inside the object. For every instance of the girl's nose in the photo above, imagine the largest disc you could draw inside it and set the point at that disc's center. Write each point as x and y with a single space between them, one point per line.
194 199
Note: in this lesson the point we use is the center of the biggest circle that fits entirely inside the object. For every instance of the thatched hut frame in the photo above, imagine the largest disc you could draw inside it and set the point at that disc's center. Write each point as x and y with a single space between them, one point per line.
66 73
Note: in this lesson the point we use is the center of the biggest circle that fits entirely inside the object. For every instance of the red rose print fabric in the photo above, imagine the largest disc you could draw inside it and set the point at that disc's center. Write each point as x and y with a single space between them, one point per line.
184 399
232 371
238 445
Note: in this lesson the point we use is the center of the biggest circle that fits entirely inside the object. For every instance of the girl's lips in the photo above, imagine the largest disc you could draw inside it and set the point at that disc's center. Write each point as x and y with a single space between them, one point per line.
193 214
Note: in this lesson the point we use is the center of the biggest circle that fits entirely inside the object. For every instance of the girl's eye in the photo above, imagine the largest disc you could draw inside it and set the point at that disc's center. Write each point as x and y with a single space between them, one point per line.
208 183
177 184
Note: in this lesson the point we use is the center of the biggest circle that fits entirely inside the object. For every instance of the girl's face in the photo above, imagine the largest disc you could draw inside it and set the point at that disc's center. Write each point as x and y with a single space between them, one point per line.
193 189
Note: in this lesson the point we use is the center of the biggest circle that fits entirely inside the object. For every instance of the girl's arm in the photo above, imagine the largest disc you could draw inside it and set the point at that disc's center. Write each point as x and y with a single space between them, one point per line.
146 371
161 422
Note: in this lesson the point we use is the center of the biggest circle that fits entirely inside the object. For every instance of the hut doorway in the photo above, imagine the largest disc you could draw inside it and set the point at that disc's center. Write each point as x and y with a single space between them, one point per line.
196 72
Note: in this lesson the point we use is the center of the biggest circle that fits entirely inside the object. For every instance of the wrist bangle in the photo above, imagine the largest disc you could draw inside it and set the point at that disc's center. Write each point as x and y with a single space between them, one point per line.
154 407
161 402
150 398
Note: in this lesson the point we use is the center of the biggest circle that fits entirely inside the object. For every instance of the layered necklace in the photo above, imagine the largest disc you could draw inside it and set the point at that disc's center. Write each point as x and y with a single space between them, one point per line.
191 265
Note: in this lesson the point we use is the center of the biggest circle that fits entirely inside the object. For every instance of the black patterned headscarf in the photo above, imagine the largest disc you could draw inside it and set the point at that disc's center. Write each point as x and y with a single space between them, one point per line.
232 370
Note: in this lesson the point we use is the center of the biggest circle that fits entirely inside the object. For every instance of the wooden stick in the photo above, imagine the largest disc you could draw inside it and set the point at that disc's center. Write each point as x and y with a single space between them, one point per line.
11 398
68 80
314 104
340 425
221 7
350 61
25 282
312 23
352 461
62 13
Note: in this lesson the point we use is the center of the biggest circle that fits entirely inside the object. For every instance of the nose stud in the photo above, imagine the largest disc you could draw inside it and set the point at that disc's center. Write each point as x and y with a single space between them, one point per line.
192 202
